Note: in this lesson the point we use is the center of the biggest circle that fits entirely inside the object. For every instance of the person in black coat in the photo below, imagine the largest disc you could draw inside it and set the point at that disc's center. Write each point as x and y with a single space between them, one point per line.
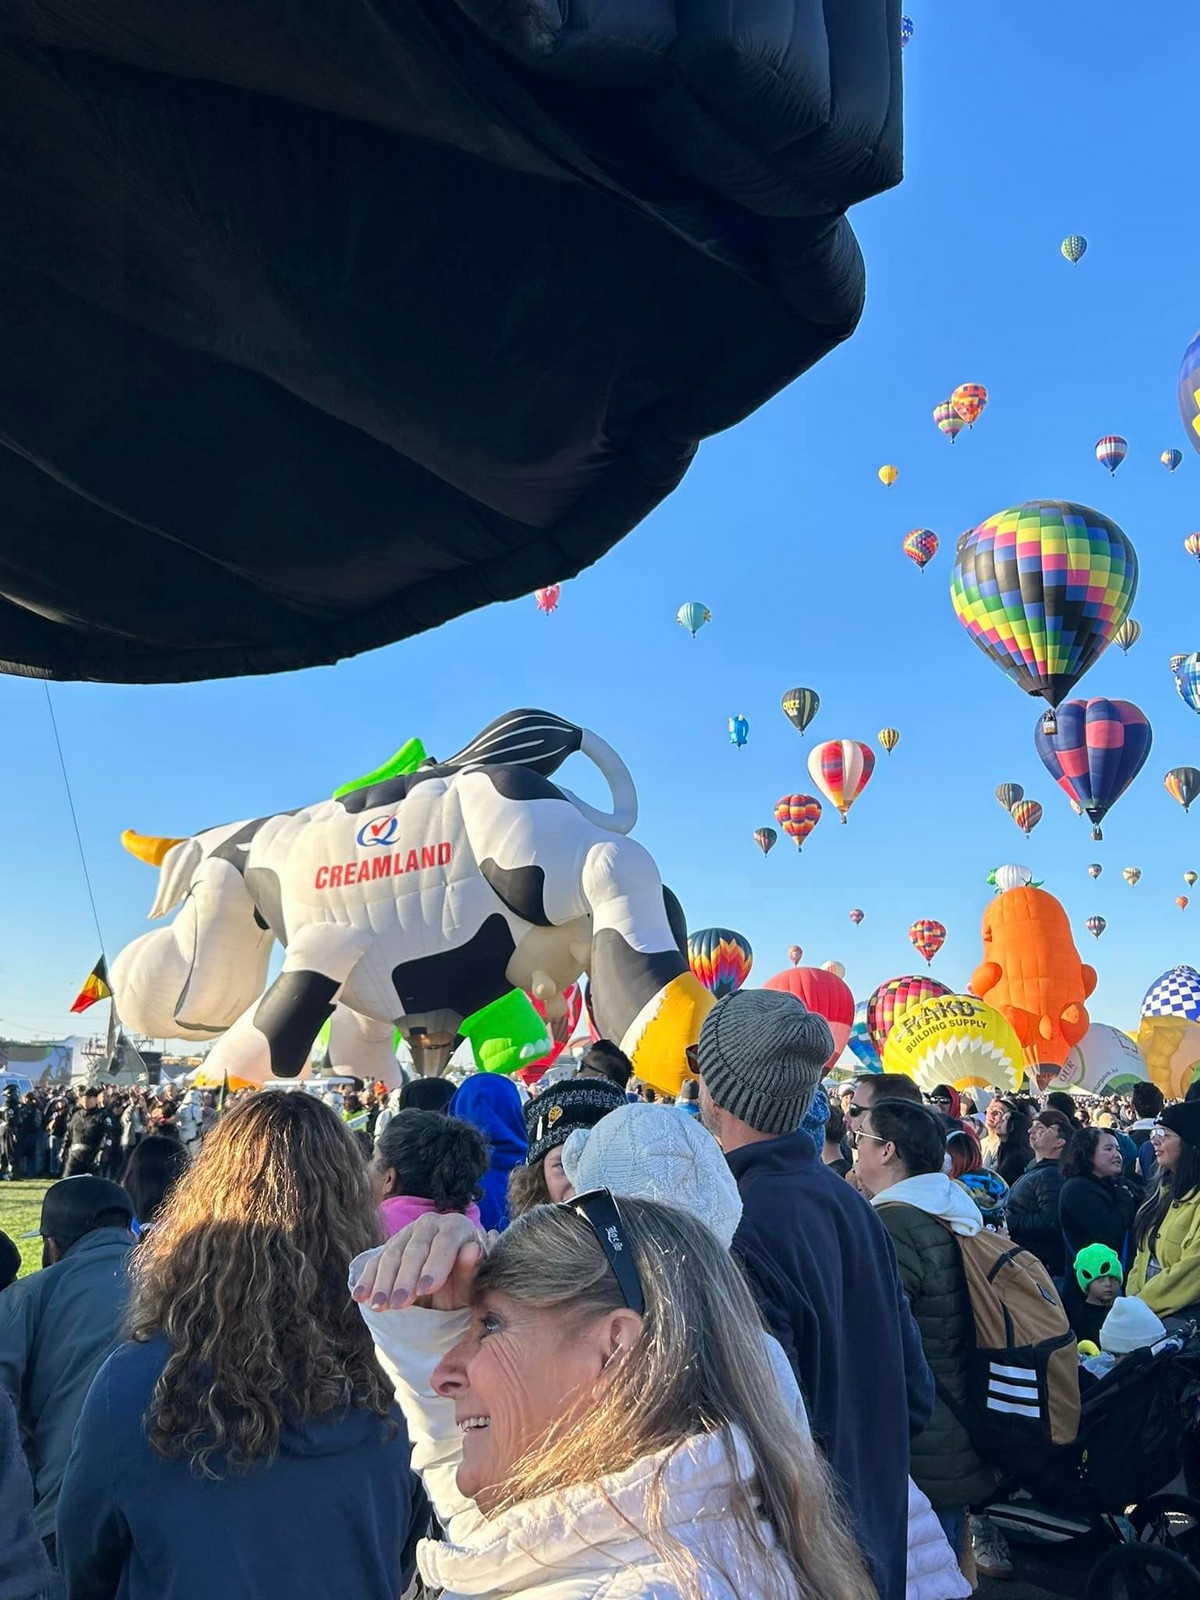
1033 1220
1097 1203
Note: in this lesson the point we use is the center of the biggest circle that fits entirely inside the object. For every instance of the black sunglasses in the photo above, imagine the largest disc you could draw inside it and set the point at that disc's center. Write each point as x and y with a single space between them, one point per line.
599 1210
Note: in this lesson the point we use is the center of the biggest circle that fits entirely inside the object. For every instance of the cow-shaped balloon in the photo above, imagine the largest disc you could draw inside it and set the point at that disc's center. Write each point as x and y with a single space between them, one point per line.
415 898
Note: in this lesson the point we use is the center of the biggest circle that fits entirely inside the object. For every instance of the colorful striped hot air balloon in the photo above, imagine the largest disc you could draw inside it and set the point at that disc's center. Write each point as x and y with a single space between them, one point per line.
841 769
927 937
800 706
721 959
692 616
892 999
1008 794
1111 451
1127 635
1132 875
1095 870
1097 749
969 400
1189 391
948 420
1041 588
795 954
1026 814
1181 900
1183 784
1074 247
1192 545
887 475
889 738
856 916
1095 926
766 839
921 545
798 815
1171 459
547 598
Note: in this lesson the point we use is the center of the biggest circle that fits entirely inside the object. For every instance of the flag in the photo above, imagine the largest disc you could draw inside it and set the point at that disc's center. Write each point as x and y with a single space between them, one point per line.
95 987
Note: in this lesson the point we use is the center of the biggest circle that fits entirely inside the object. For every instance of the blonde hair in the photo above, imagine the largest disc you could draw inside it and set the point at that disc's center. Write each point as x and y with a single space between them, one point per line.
245 1275
698 1367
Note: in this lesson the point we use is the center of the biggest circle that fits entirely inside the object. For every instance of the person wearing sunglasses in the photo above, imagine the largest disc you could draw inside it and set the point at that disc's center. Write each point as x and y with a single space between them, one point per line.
594 1415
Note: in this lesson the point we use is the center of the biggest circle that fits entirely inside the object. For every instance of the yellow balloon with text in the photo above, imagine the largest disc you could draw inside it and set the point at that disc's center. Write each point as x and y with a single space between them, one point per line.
955 1039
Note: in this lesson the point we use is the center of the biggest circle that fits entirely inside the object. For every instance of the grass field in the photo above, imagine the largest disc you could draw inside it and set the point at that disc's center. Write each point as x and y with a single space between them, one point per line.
20 1210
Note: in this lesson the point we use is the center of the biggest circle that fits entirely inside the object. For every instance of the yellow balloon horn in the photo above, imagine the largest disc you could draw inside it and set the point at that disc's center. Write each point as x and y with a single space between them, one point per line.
147 847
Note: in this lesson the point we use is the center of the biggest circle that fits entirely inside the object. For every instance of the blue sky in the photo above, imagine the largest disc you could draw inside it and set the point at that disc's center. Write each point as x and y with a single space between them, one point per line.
1024 123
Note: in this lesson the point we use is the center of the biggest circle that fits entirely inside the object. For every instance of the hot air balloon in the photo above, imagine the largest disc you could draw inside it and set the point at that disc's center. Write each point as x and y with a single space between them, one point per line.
1095 870
1008 794
1187 680
906 30
859 1042
1181 900
921 545
1189 391
800 706
560 1029
1010 876
1096 751
1176 662
1074 247
969 400
888 476
856 916
892 999
739 731
1026 814
1111 451
838 968
955 1039
1183 784
1095 926
927 937
1192 545
948 420
1132 875
825 993
692 616
766 839
795 954
1190 879
1127 635
841 769
798 815
1171 459
1041 588
1105 1061
720 958
547 598
889 738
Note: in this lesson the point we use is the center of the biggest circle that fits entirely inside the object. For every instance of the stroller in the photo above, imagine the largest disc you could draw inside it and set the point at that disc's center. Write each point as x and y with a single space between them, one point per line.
1096 1523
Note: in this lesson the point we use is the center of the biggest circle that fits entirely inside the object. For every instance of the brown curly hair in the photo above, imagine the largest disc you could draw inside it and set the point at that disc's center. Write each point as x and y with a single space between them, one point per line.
245 1276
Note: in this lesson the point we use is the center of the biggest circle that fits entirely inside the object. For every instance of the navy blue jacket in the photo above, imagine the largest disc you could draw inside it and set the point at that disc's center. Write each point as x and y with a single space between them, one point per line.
493 1104
338 1512
823 1270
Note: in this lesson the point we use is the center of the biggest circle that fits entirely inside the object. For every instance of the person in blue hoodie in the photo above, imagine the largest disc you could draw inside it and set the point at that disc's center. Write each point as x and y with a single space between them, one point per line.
245 1441
493 1104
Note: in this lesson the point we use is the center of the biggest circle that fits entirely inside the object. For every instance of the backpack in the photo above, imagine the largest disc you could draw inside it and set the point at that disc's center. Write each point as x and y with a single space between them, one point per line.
1022 1390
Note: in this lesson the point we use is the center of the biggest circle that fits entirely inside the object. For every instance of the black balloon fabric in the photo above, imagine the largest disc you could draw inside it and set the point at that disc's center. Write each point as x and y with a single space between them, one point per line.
326 323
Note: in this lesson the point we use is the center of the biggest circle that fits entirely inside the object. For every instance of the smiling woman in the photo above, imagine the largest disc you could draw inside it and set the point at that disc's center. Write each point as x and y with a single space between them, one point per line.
591 1417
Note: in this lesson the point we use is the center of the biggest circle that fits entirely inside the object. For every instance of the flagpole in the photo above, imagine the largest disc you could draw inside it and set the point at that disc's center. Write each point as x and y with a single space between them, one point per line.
114 1033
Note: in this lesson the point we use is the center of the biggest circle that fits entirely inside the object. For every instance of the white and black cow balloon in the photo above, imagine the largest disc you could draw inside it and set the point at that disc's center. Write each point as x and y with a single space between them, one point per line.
413 900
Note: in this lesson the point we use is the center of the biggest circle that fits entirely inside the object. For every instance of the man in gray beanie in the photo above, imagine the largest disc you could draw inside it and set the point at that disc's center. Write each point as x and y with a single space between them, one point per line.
819 1262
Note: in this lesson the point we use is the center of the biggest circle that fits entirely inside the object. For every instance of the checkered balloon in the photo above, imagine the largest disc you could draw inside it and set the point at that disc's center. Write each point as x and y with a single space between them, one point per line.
1175 994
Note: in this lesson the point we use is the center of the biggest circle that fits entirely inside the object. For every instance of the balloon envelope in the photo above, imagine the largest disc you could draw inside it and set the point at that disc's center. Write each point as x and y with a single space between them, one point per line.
921 545
547 598
1095 926
1012 876
1041 588
1095 870
969 400
798 815
927 937
1174 993
841 769
1074 247
856 916
1105 1061
1128 634
1111 451
1187 680
1096 751
766 839
560 1028
800 706
955 1039
1189 878
795 954
1026 814
739 731
720 958
1171 459
825 993
1192 545
906 30
1171 1046
889 738
1132 875
692 616
1189 391
892 999
888 476
1008 794
1183 784
948 420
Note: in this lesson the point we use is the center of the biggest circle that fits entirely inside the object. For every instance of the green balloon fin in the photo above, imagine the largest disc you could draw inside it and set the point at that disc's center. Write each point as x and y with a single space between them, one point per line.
407 759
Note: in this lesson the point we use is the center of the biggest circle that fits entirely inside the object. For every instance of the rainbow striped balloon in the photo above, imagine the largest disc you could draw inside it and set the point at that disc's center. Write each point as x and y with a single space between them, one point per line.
948 420
921 545
721 959
841 769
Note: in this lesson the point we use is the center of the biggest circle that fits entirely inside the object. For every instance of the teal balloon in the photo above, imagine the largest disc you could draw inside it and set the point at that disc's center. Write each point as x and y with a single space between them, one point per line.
860 1042
1189 392
739 731
692 616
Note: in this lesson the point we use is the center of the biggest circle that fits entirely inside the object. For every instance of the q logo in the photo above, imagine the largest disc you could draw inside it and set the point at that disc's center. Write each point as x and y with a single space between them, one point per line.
382 831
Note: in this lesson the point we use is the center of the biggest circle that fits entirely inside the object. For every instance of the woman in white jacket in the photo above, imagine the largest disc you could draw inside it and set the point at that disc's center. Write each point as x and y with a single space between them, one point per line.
605 1408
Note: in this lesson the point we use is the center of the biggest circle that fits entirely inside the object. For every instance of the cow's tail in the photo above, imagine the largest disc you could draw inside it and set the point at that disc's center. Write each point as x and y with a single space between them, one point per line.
623 816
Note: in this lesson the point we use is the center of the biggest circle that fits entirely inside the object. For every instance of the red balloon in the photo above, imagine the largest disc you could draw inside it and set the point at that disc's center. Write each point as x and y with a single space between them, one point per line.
826 994
560 1031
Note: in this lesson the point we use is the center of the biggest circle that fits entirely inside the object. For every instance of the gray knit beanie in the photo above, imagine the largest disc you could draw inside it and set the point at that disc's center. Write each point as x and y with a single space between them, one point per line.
761 1054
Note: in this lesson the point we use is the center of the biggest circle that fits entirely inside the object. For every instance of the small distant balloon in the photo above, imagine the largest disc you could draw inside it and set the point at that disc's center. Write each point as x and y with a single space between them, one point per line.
766 839
856 916
795 954
798 815
888 475
1026 814
969 400
692 616
1074 247
1187 680
1008 794
889 738
547 598
1189 391
1183 784
1127 635
838 968
948 420
1181 900
1095 926
1190 879
739 731
721 959
921 545
800 706
906 30
927 937
1171 459
1132 875
1095 870
1011 876
1192 545
1111 451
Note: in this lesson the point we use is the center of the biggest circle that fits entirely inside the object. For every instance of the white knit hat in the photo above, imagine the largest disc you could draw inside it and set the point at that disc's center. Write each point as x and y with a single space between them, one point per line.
657 1152
1130 1325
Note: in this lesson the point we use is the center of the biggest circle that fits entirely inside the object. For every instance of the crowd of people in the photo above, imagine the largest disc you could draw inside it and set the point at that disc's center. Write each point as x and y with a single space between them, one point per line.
574 1343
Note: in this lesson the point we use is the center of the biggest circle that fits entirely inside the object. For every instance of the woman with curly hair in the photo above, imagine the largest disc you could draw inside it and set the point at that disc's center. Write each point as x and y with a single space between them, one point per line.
244 1441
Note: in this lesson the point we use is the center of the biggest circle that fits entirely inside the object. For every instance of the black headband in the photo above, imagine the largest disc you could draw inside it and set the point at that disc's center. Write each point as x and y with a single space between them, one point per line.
599 1210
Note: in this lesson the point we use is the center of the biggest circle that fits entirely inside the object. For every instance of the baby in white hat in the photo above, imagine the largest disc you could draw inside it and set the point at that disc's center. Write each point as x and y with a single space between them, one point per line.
1130 1326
